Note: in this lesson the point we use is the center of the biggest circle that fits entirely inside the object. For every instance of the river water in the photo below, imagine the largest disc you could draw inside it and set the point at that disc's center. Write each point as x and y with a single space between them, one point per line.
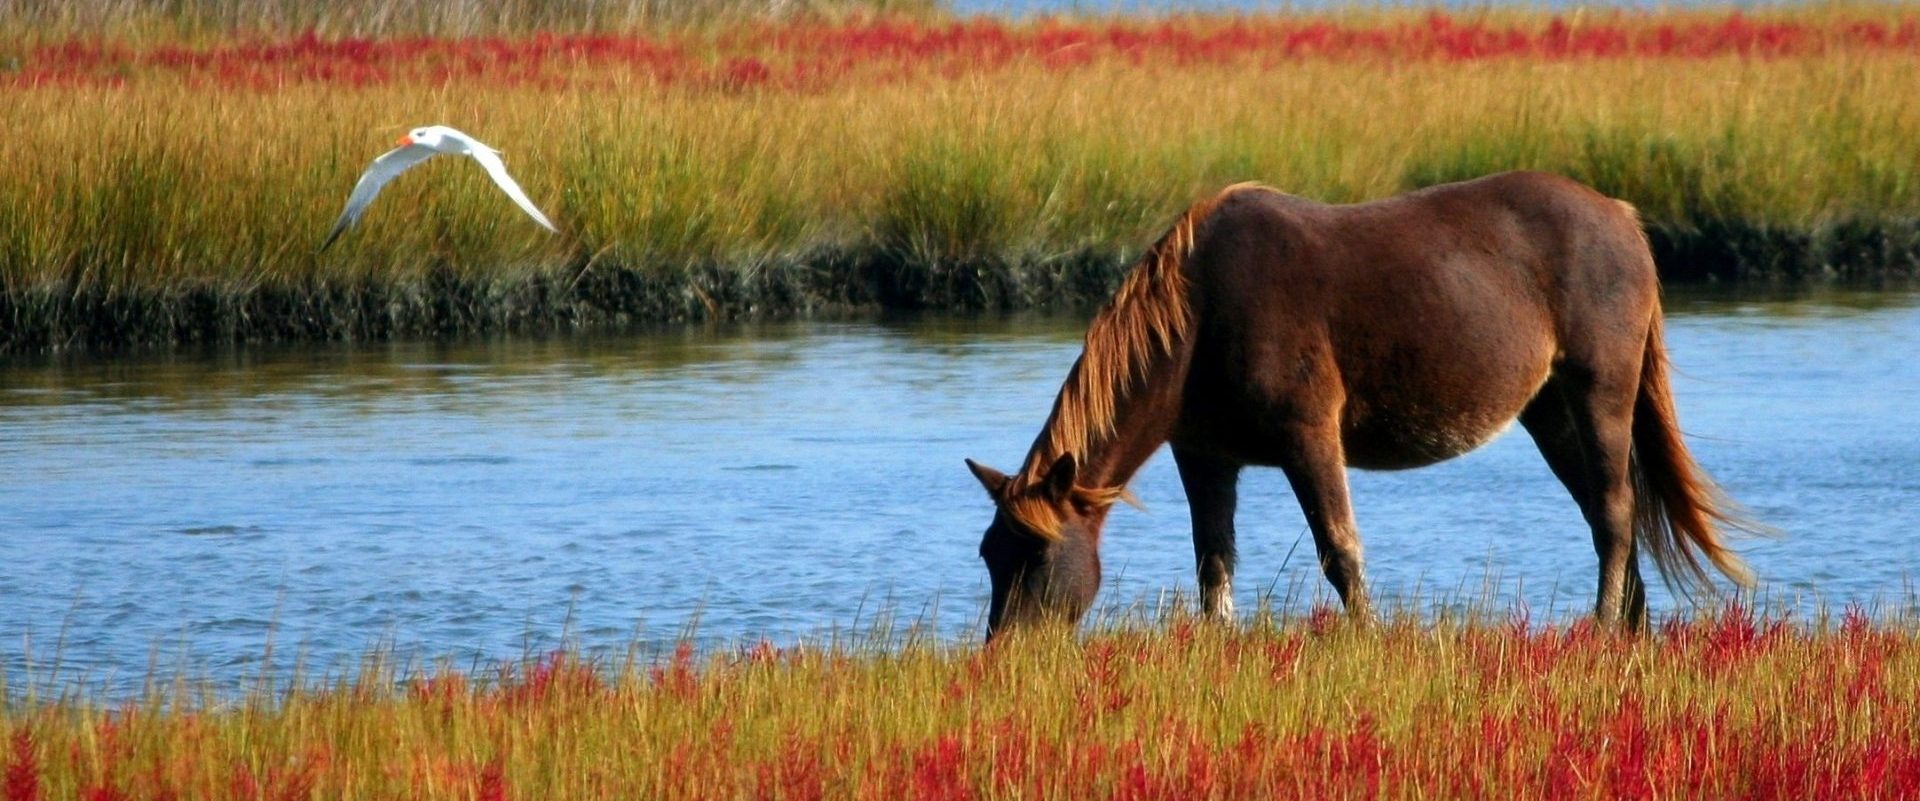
180 513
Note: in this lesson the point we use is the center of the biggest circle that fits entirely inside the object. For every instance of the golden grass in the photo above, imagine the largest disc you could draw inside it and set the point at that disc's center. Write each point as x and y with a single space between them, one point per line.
169 182
161 181
1730 705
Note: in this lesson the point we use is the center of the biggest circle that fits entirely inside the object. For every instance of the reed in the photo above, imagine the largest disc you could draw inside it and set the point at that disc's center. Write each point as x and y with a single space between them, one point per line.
1730 704
164 192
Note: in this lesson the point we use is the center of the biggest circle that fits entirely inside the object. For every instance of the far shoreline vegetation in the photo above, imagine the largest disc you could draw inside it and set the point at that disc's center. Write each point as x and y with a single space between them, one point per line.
169 174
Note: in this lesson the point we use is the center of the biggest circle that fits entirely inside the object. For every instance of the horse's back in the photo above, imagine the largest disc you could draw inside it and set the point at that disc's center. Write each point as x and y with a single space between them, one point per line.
1424 321
1533 227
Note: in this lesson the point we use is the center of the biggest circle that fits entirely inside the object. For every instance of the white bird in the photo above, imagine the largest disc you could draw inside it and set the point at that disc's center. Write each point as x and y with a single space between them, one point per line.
417 146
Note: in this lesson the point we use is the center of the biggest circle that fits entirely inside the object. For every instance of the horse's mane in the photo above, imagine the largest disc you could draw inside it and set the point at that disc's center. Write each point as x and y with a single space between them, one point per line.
1147 316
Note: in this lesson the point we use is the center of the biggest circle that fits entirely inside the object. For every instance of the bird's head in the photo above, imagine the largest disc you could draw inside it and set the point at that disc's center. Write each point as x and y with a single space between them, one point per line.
438 137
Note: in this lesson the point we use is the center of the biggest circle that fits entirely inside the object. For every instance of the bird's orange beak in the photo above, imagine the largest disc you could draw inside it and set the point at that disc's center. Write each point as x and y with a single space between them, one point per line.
405 140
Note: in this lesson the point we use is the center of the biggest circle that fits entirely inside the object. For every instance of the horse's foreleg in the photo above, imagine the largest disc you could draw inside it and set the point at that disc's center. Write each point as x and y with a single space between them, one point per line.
1317 469
1211 484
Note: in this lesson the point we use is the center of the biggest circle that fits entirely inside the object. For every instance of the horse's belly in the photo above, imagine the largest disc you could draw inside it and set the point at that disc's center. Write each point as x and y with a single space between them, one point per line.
1399 442
1422 422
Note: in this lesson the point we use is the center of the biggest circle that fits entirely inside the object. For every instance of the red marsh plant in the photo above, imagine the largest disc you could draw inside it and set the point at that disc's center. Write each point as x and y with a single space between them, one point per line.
811 55
1732 704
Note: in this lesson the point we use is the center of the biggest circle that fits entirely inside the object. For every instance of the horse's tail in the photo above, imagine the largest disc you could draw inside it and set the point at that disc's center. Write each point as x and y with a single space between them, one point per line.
1678 513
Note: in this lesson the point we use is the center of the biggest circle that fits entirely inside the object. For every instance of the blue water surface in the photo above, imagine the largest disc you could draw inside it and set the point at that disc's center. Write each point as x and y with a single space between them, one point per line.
189 512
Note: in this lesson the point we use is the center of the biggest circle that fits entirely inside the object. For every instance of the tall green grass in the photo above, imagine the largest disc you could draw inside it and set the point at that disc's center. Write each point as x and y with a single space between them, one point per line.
168 211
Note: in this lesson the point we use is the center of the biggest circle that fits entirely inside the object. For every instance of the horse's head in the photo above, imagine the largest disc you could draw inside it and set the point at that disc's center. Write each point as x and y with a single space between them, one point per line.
1043 548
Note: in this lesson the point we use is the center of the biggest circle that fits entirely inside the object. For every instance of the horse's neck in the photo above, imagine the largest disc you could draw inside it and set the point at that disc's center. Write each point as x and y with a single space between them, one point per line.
1114 461
1143 418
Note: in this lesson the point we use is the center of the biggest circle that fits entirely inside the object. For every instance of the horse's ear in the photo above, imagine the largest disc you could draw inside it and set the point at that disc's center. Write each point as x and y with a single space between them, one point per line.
1060 477
992 479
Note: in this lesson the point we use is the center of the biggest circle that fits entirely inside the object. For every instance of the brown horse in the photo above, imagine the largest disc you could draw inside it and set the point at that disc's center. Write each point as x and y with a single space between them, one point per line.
1266 329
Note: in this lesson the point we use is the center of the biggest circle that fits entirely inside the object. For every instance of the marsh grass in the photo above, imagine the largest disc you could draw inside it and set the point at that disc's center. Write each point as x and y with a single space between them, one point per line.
164 206
1475 702
206 19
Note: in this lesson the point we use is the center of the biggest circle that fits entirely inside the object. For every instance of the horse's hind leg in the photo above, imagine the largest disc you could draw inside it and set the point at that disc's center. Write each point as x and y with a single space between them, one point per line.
1584 429
1211 485
1316 467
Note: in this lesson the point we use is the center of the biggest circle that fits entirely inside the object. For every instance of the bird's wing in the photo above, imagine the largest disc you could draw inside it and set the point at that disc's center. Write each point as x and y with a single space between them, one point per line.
496 168
383 169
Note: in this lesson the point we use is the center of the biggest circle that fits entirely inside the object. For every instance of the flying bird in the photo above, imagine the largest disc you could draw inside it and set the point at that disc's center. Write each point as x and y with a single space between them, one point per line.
417 146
